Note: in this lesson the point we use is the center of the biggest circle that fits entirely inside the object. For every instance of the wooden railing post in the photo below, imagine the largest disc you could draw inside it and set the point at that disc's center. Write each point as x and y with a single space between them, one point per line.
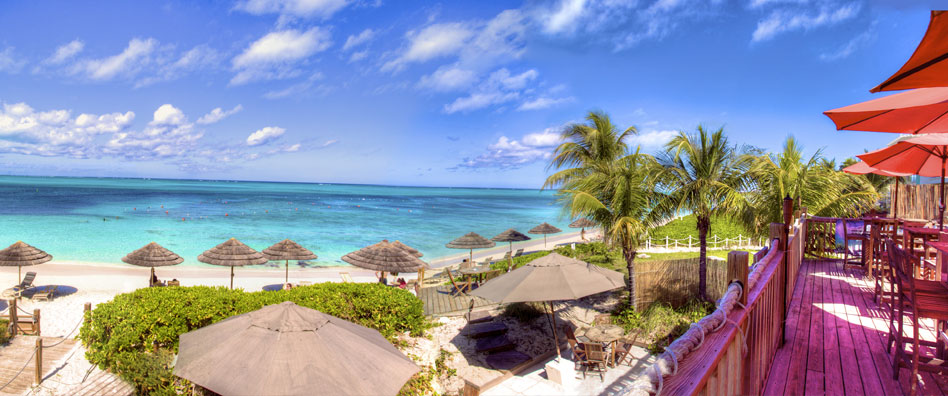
787 222
776 232
737 271
87 309
39 361
13 319
36 322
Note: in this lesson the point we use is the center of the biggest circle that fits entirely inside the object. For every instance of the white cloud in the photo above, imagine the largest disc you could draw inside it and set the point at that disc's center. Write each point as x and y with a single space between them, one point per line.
273 55
448 78
307 86
782 21
479 100
128 62
514 82
24 130
298 8
652 138
358 55
9 62
564 16
548 138
329 143
197 58
168 115
861 40
762 3
543 102
218 114
507 153
355 40
500 87
65 52
264 135
431 42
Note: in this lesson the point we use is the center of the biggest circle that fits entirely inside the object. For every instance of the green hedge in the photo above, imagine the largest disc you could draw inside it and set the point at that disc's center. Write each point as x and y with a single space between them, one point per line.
4 333
135 333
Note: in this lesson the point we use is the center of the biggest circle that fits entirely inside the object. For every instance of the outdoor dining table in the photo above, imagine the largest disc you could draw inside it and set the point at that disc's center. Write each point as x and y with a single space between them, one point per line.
474 272
606 334
911 235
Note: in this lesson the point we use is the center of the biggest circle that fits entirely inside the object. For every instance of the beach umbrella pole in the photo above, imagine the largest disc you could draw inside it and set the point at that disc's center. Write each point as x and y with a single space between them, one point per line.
152 278
287 272
510 257
232 277
544 241
553 327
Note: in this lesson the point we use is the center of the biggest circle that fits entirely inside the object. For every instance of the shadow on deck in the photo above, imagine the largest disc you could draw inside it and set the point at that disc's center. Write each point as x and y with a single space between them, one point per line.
836 339
438 301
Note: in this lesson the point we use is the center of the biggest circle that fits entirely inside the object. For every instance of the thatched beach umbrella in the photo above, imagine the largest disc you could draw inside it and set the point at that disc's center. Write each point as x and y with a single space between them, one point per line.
470 241
21 254
152 255
582 223
288 250
386 257
412 251
544 229
232 253
510 236
286 349
550 278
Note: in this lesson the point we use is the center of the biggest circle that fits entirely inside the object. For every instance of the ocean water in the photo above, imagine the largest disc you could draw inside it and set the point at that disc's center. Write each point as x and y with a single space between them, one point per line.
101 220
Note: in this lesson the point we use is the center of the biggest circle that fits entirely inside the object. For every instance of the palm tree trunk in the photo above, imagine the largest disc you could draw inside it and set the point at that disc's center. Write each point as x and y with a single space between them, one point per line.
629 255
704 223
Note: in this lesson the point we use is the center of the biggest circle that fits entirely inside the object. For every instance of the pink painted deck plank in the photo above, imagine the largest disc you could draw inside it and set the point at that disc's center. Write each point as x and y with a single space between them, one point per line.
796 374
832 362
851 379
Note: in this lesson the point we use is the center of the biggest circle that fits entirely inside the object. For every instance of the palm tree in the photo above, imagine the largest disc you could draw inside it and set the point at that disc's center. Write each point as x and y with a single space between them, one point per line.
703 174
811 182
585 146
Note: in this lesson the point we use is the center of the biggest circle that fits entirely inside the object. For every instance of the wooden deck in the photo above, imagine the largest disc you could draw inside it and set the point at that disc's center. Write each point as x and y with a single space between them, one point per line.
18 352
103 383
836 339
439 302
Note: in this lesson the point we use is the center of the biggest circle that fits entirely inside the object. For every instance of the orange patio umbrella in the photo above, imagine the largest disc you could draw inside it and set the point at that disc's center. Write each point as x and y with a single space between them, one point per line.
924 155
917 111
928 66
861 168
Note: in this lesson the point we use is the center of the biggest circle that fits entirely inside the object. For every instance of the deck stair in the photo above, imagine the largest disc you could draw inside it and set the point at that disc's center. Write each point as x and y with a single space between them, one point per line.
478 317
495 343
506 360
488 329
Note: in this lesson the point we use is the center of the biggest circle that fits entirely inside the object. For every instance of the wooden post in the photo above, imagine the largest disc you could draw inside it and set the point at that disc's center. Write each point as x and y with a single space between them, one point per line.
737 271
39 361
787 213
13 319
87 312
36 322
776 232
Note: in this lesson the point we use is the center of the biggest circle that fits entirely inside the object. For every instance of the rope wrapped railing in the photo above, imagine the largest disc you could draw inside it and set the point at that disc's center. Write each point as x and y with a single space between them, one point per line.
667 363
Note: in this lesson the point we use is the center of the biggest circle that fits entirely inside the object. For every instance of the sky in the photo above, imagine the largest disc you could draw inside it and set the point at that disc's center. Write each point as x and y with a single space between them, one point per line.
423 93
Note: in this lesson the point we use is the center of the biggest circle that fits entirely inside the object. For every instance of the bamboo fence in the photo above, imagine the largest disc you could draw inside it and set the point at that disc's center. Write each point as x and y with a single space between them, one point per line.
916 201
676 281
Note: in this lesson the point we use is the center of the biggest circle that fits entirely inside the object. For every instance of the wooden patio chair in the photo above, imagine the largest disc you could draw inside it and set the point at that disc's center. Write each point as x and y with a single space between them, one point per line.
458 288
853 236
574 345
624 351
48 293
921 302
596 358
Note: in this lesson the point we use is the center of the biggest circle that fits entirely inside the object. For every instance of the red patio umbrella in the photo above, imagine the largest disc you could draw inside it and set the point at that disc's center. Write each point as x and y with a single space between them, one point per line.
928 66
917 111
924 155
861 168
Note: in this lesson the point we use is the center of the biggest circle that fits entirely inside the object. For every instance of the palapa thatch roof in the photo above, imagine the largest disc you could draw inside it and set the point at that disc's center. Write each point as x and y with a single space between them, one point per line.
152 255
470 241
412 251
510 235
285 349
232 253
384 256
288 250
21 254
544 228
582 222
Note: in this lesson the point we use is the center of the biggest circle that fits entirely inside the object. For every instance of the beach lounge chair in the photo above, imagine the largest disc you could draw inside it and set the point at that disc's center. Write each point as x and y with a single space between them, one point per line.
48 293
25 284
346 278
506 256
487 261
518 253
466 264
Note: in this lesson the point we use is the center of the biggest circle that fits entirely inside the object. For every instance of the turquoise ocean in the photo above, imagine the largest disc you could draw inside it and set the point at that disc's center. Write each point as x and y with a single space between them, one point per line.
102 219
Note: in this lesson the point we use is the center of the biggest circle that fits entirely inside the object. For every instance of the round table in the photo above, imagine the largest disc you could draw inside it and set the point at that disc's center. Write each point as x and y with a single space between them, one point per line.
606 334
475 272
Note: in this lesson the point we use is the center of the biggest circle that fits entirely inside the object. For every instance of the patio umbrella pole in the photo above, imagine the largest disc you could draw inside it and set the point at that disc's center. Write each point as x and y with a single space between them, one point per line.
941 195
895 200
152 279
556 342
544 241
510 257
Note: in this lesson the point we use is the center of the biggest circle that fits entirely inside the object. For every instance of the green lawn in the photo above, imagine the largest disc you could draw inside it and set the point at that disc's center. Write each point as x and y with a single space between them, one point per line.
685 226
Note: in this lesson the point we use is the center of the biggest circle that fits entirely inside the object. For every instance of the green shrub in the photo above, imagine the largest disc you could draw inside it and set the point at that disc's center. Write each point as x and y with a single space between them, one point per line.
661 323
122 333
519 261
523 312
4 332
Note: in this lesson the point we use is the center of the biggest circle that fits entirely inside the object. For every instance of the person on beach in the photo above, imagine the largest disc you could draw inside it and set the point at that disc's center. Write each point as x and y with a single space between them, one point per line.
582 234
402 284
287 286
382 278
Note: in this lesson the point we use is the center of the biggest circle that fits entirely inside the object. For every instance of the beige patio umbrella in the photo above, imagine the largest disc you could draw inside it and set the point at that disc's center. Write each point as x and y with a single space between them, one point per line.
386 257
288 250
470 241
152 255
232 253
286 349
21 254
550 278
544 229
510 236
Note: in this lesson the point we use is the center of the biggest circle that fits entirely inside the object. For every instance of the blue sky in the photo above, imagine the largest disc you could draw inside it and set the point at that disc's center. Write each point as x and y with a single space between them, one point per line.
422 93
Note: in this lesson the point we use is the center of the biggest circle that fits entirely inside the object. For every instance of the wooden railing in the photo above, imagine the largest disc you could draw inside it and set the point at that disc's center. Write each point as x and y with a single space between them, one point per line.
736 359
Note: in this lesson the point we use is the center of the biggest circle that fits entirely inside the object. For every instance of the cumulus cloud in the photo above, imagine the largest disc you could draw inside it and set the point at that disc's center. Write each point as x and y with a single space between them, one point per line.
507 153
356 40
10 62
264 135
24 130
274 55
296 8
218 114
448 78
543 102
652 138
431 42
782 21
65 52
563 16
500 87
128 62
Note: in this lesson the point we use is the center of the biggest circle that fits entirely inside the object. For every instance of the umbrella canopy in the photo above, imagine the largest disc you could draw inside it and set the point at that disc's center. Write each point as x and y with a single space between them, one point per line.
470 241
918 155
510 236
550 278
285 349
861 168
21 254
582 222
232 253
917 111
544 229
288 250
152 255
384 256
412 251
928 66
